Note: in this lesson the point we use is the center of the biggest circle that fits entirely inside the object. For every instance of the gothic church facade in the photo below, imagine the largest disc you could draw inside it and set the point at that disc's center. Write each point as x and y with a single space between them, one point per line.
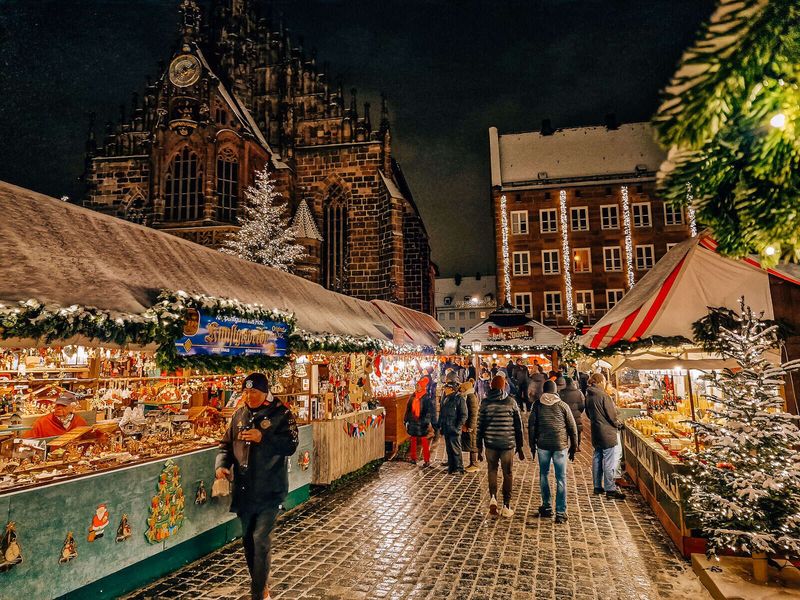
237 96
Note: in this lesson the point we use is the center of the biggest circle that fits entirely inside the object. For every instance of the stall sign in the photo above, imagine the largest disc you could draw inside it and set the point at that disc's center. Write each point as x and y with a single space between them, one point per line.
510 333
228 335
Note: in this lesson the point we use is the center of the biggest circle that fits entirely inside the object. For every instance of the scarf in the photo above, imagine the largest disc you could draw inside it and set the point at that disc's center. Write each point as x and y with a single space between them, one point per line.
416 403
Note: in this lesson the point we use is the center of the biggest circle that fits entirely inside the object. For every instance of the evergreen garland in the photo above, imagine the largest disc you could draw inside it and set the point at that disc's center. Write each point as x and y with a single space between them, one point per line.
708 329
731 118
304 341
624 347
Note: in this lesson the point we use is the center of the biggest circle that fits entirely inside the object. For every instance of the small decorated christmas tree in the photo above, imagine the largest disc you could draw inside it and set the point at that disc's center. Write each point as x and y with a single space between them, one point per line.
744 486
167 506
265 235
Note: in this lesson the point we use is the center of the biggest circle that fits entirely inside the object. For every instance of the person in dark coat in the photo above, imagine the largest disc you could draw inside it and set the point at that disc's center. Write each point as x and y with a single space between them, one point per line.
260 437
452 416
483 381
418 417
472 373
470 428
583 377
602 413
576 401
536 384
522 380
561 382
500 434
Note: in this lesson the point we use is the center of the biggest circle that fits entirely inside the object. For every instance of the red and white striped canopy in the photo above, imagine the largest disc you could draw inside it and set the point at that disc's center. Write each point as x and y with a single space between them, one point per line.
678 291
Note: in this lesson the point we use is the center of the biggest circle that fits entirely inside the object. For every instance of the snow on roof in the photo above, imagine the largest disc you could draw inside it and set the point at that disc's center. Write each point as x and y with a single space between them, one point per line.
391 186
59 253
303 223
573 153
417 328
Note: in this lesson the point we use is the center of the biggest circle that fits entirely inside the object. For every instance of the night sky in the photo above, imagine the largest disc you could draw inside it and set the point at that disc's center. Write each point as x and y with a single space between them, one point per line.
451 70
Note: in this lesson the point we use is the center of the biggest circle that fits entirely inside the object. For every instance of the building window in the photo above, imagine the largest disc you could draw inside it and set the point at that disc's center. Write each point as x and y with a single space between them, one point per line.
582 260
612 258
227 186
483 314
523 302
609 216
472 314
183 195
550 262
671 246
613 297
335 256
641 214
548 220
552 303
673 215
584 301
522 263
461 315
221 117
579 218
519 222
644 257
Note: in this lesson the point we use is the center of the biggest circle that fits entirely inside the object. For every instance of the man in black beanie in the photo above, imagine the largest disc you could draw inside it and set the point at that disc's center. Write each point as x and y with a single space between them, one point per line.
262 433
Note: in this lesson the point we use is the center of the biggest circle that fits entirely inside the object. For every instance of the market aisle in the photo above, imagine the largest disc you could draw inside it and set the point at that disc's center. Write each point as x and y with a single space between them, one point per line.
411 533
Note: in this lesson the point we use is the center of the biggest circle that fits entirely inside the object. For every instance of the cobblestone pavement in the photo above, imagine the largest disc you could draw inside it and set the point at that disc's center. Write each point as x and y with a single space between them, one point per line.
407 532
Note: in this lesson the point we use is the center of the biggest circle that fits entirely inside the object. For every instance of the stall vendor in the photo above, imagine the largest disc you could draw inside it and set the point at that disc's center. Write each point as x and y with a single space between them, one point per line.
61 420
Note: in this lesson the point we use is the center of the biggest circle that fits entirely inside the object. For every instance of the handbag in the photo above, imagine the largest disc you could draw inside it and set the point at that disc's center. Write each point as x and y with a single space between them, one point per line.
221 487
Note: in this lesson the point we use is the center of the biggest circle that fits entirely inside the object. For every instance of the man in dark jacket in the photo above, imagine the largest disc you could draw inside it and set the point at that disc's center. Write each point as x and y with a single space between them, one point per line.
576 401
536 384
452 416
500 433
262 433
602 413
522 380
554 437
470 430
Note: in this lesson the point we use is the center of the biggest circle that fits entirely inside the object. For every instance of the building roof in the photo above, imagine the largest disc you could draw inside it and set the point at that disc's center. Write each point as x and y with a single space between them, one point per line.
510 328
573 154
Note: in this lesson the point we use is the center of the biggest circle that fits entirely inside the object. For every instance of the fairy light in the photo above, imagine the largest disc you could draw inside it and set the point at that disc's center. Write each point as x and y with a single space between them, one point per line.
565 254
690 210
626 224
506 268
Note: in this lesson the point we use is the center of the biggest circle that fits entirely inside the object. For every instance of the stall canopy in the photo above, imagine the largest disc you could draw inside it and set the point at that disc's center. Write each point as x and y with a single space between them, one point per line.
62 254
410 326
510 329
661 361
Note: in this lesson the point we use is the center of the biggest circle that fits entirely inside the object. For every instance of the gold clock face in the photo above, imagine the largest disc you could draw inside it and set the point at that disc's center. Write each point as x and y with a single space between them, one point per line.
184 70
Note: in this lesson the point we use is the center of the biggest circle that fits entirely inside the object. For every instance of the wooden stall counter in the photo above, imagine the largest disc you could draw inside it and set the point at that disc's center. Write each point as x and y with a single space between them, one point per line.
396 432
347 443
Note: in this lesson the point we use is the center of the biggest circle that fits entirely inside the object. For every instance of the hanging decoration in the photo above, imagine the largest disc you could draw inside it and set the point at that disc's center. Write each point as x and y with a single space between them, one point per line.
201 496
124 529
304 460
99 522
690 212
10 551
69 550
506 266
167 506
566 255
626 224
359 430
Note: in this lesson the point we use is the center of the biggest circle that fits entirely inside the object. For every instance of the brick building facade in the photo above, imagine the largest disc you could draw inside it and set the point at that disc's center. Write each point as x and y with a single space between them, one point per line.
239 95
567 191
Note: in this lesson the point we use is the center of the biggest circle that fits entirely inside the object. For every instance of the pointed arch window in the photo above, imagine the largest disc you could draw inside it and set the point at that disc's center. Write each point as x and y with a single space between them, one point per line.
335 257
227 185
183 198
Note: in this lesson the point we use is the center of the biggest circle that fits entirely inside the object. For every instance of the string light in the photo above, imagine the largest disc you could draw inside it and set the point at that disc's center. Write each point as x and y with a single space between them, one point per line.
506 268
690 210
565 254
626 223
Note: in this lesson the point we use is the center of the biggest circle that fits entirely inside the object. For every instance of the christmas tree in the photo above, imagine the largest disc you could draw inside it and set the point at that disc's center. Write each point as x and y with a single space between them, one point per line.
167 506
731 118
265 235
744 486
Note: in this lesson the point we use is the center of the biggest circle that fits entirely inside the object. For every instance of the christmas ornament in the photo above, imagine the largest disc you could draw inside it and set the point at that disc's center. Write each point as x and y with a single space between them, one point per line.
124 529
10 551
99 522
201 496
69 550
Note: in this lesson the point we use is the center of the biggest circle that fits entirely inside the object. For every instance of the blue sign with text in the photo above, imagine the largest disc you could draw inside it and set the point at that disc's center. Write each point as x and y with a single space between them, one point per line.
227 335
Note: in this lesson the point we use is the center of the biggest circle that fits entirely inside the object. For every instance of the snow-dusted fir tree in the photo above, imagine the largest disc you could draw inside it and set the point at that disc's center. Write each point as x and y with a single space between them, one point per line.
265 235
744 486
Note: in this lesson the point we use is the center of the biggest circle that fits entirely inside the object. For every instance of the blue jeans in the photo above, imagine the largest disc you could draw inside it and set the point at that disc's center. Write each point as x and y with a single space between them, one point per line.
559 458
605 463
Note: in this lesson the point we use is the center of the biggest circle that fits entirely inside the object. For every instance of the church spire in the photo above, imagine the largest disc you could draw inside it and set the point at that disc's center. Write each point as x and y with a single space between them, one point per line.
190 21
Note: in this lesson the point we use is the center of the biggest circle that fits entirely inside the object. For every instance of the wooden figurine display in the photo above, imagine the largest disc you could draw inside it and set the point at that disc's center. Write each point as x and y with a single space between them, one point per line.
124 529
69 550
10 552
167 506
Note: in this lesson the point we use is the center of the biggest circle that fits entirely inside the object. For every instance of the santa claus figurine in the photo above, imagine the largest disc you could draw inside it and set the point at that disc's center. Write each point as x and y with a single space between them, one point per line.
99 522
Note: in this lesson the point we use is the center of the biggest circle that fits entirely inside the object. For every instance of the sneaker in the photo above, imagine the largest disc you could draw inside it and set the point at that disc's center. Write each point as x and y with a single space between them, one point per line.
506 512
561 518
545 512
471 468
615 495
493 506
598 491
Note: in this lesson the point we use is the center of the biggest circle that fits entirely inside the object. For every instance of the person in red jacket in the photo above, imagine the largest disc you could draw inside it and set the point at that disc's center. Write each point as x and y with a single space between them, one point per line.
61 420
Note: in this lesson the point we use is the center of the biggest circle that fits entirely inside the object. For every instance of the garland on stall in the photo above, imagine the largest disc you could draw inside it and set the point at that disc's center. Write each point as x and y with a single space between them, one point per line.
359 430
304 341
445 336
708 330
625 347
508 348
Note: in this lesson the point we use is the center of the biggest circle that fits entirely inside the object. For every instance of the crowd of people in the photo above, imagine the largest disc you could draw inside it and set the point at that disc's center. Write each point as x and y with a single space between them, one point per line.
480 411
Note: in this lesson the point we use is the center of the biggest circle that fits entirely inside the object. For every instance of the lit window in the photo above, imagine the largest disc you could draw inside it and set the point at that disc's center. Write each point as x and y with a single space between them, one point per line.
483 314
522 263
582 260
523 302
644 257
552 303
519 222
641 214
584 301
579 217
612 258
548 220
609 216
673 215
613 297
183 196
550 262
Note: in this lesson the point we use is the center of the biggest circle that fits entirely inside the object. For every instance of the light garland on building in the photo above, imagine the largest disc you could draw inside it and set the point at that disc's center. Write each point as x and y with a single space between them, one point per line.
504 229
690 210
626 223
566 255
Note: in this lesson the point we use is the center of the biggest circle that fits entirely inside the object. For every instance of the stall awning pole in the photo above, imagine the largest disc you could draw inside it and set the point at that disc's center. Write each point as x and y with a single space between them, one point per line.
691 405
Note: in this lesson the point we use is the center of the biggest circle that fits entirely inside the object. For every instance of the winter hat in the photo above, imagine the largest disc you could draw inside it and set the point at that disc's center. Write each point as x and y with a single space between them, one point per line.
451 377
256 381
549 387
498 383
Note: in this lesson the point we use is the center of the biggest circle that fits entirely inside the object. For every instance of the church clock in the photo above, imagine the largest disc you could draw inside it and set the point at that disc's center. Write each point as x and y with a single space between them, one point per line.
184 70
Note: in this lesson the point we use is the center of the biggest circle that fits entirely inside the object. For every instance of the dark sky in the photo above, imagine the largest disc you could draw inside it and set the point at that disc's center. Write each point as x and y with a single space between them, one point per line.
451 70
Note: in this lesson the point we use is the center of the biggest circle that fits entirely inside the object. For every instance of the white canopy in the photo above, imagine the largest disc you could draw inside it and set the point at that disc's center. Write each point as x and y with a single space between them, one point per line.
510 328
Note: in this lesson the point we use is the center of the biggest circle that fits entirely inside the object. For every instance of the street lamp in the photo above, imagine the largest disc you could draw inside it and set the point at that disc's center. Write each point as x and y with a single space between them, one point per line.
476 347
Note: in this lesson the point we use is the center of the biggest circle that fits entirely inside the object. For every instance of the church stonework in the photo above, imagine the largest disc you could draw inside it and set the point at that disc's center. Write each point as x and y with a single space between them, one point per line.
239 95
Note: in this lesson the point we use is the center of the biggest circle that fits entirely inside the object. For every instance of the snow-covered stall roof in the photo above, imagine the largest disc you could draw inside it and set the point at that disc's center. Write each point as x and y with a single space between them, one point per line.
573 153
415 327
508 327
677 292
59 253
